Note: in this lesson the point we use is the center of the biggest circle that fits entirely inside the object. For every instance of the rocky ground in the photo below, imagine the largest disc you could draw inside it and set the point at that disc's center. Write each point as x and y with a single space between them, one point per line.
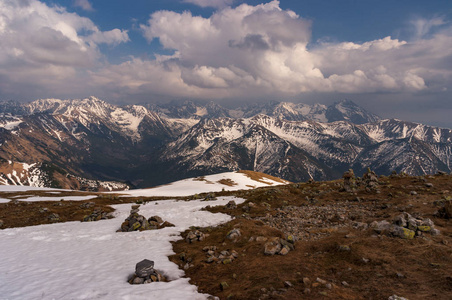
360 239
369 237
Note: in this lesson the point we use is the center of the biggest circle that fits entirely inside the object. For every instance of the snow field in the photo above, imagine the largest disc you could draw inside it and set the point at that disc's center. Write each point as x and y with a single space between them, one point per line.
91 260
193 186
57 198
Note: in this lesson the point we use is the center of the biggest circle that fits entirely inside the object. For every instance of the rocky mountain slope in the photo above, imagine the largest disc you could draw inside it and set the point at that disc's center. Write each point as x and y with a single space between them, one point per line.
47 175
156 144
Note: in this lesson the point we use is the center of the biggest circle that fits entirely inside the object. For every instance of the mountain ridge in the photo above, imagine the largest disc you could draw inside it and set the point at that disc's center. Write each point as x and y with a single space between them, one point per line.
151 145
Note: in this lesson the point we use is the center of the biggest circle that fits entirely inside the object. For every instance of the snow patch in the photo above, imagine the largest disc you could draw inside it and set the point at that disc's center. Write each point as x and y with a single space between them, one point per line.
65 198
89 260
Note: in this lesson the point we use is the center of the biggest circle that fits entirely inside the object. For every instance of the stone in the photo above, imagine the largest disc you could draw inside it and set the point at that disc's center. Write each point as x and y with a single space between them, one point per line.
402 232
166 224
284 251
233 234
380 226
321 281
400 220
306 291
411 223
424 228
286 244
54 217
261 239
344 283
155 219
138 280
435 232
395 297
227 261
272 247
231 205
429 185
288 284
136 226
306 282
144 268
224 285
344 248
414 193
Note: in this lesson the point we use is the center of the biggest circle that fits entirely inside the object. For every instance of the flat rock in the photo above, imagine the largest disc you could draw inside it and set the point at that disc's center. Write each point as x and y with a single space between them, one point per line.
144 268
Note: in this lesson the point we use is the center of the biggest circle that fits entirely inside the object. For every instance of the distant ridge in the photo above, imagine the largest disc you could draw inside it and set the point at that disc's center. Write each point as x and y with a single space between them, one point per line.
156 144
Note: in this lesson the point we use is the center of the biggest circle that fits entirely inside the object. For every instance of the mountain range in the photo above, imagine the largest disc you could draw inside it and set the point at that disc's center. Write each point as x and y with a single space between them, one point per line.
148 145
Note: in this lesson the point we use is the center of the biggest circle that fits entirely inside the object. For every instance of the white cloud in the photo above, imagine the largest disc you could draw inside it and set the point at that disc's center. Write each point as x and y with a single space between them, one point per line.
42 45
423 27
256 50
211 3
84 4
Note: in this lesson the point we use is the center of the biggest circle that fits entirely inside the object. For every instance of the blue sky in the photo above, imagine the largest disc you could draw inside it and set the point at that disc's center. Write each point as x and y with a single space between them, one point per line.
392 57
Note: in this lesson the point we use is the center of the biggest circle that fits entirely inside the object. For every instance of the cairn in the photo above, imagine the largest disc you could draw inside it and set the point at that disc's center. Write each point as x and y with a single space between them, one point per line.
137 222
349 180
145 273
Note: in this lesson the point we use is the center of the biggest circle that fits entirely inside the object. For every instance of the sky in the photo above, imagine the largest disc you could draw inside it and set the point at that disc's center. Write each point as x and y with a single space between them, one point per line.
392 57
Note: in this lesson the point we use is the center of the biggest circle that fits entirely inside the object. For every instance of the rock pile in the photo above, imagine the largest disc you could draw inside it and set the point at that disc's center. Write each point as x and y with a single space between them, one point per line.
370 180
405 226
349 181
137 222
145 273
134 221
194 236
96 215
225 257
279 246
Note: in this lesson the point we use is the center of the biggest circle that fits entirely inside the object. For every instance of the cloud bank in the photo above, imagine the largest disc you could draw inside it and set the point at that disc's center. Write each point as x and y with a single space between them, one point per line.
238 52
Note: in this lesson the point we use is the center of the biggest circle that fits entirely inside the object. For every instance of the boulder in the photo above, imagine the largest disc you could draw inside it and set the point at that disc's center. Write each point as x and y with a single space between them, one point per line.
402 232
272 247
380 226
233 234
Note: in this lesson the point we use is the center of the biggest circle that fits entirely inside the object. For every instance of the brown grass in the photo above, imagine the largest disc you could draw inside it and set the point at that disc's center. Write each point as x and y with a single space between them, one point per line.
227 181
258 176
